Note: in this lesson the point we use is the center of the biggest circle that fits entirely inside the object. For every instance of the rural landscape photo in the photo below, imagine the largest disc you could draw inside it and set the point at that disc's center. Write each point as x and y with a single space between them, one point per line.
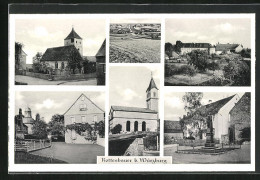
51 51
52 128
214 52
135 41
208 127
134 124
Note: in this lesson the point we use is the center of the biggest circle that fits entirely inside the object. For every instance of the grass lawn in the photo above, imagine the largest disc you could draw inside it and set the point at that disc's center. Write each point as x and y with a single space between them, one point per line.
236 156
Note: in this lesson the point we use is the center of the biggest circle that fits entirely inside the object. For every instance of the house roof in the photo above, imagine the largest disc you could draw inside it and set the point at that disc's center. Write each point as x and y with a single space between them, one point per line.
61 53
175 55
102 50
132 109
90 58
72 35
172 126
151 85
88 99
196 45
210 109
223 47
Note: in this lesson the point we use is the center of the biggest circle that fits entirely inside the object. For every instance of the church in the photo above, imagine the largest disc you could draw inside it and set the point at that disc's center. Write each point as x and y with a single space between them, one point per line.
134 119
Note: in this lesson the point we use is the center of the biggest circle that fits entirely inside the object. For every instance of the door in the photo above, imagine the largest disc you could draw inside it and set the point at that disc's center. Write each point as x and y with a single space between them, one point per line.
231 134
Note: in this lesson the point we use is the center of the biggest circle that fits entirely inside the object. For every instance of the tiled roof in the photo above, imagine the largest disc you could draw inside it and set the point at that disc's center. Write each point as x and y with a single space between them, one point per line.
132 109
151 85
196 45
210 109
223 47
102 50
62 53
72 35
172 126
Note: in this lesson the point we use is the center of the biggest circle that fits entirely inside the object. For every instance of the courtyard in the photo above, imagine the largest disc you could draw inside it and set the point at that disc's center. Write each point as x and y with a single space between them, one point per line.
232 157
37 81
73 153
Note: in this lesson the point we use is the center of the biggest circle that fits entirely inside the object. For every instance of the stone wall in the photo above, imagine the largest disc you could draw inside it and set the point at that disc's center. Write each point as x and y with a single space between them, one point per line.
136 148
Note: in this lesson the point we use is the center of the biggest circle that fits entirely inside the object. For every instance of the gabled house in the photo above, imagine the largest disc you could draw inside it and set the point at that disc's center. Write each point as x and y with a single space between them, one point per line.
219 112
82 111
228 48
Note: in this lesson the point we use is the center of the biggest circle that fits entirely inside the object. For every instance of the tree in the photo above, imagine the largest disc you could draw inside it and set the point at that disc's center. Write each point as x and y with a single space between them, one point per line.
188 70
213 66
199 59
39 129
56 125
101 128
238 73
37 117
74 60
246 53
168 49
116 129
192 101
37 57
18 54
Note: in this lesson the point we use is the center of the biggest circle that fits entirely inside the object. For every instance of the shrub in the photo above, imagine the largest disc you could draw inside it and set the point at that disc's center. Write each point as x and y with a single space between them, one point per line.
117 129
213 66
199 59
188 70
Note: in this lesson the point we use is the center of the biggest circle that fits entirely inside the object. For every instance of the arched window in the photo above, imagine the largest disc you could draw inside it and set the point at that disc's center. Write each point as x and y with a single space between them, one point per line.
56 65
136 126
143 126
62 65
128 126
154 94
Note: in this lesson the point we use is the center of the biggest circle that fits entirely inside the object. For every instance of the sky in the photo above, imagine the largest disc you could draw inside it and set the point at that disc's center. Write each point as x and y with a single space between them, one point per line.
135 21
39 34
222 30
127 85
49 103
174 106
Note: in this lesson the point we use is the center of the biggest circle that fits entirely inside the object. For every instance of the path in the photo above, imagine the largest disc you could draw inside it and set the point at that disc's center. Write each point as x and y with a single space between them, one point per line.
235 156
73 153
37 81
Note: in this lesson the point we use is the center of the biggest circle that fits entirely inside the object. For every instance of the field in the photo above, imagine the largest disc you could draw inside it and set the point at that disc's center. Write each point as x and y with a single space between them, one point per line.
129 49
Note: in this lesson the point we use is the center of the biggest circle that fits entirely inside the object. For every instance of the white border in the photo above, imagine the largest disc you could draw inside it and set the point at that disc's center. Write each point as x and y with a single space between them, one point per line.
125 167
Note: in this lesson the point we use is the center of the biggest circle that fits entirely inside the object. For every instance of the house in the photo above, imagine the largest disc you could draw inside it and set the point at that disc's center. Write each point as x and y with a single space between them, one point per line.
228 48
188 47
219 112
58 57
82 111
133 119
28 121
240 118
173 129
101 64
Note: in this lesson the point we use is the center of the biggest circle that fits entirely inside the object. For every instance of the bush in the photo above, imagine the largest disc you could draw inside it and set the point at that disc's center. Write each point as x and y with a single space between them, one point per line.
213 66
171 69
117 129
187 70
199 59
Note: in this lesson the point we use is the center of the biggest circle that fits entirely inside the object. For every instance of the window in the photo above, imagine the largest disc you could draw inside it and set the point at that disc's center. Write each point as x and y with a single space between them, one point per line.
83 119
154 94
72 118
62 65
82 98
76 41
95 118
127 126
228 117
83 107
72 40
56 65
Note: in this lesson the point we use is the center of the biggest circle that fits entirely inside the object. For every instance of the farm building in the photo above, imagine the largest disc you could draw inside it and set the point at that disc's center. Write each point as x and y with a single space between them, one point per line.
134 119
219 113
82 111
101 64
188 47
240 118
173 129
228 48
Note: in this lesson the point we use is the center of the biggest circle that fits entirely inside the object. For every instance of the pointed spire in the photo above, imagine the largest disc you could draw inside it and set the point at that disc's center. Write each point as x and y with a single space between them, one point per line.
152 84
73 34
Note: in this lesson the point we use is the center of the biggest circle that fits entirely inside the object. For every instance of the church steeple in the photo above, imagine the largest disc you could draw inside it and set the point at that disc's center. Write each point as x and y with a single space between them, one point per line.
152 97
74 39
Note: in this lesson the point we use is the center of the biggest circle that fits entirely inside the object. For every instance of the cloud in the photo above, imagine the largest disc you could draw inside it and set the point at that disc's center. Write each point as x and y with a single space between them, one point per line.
173 102
40 31
19 96
128 94
47 104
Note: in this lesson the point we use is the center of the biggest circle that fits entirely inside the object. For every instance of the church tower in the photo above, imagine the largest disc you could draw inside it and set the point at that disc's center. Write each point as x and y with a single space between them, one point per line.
152 97
74 39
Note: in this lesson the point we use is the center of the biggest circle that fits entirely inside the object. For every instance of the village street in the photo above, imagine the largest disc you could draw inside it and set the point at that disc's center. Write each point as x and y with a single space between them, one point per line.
73 153
235 156
37 81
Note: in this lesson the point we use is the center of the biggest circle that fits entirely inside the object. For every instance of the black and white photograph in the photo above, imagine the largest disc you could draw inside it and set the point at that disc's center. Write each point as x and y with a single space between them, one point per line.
208 127
208 52
135 41
134 124
60 51
59 127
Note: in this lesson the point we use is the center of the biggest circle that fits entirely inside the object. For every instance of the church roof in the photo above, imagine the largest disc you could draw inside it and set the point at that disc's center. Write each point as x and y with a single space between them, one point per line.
172 126
102 50
151 85
132 109
72 35
61 53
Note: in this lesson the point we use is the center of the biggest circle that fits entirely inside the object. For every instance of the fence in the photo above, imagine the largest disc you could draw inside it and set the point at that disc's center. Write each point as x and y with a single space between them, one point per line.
31 145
